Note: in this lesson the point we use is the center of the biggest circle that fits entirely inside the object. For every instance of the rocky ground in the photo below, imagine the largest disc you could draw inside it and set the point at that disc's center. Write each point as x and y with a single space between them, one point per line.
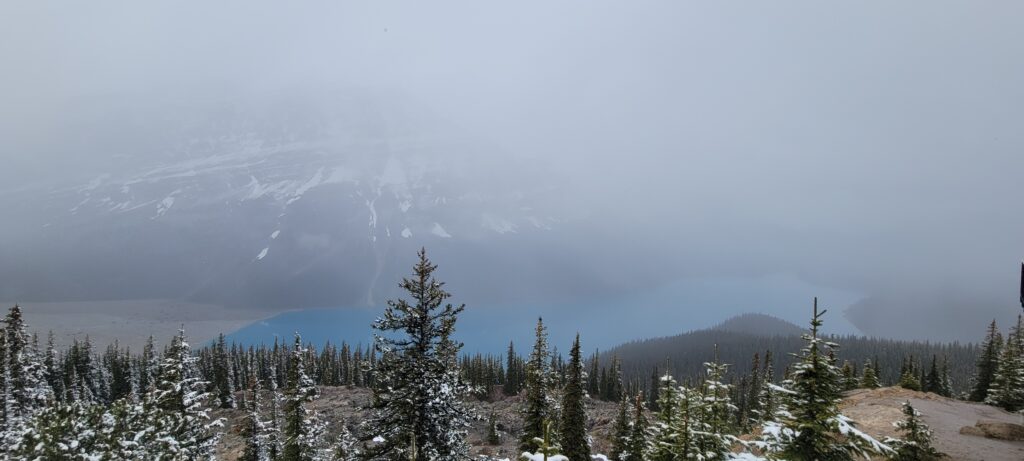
338 404
963 430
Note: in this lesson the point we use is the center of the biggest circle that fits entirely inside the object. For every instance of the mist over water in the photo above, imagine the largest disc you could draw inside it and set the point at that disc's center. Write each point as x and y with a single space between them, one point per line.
625 170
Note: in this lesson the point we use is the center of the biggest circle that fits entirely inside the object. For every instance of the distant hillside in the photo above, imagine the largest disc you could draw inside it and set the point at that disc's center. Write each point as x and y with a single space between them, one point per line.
759 325
683 355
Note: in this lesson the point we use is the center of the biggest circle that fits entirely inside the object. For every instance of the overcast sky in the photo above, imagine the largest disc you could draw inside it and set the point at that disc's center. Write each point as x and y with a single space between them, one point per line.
862 145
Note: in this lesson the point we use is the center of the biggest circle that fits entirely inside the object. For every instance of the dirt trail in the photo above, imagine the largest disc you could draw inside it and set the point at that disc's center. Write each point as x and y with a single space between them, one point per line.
875 411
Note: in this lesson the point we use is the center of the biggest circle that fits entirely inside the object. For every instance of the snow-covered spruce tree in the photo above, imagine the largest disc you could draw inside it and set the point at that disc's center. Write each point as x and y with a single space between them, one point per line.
345 449
417 391
275 444
620 432
768 399
179 417
149 367
917 442
222 378
26 391
538 403
1007 388
637 447
573 433
253 428
303 431
987 364
869 380
664 434
811 427
712 437
52 369
62 431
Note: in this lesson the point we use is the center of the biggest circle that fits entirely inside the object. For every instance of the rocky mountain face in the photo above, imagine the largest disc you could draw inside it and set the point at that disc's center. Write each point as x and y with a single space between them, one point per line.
295 204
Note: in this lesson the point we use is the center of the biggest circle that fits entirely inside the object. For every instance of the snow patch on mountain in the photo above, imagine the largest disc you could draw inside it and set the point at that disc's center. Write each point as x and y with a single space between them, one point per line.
499 225
439 231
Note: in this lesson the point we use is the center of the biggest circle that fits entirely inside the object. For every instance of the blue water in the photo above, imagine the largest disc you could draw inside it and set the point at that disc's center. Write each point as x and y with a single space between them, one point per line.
603 323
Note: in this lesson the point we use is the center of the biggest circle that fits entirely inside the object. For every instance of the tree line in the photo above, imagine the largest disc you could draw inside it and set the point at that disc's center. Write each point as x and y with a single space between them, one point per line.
82 404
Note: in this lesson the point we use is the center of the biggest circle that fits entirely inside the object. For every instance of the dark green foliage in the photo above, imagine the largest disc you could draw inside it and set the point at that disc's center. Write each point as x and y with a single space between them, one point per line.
302 431
222 377
917 442
538 405
573 430
417 397
620 432
1007 388
987 363
869 380
636 447
813 405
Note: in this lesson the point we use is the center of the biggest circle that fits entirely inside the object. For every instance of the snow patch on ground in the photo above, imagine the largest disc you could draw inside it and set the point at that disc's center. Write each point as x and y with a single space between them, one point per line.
406 233
275 234
263 254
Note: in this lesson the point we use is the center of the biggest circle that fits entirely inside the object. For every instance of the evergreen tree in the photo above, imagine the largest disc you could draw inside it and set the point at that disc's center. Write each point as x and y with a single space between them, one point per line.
179 416
222 375
917 444
52 369
620 432
573 431
512 384
664 432
713 440
538 404
275 442
492 430
345 449
637 447
812 428
933 380
869 380
149 366
850 381
418 392
253 429
303 432
1007 388
987 363
26 391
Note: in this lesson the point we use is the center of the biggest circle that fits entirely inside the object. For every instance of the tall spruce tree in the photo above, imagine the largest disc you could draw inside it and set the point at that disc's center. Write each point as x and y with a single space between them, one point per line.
637 448
303 431
417 392
573 432
620 432
987 363
664 431
253 428
222 378
179 416
26 391
1007 388
538 404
